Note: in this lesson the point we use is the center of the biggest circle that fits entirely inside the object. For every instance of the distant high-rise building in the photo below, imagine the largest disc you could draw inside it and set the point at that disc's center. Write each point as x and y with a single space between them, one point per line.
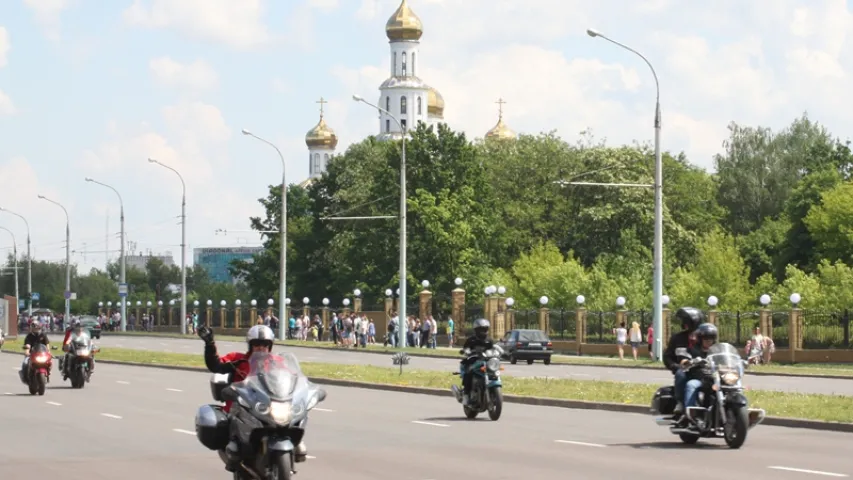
217 260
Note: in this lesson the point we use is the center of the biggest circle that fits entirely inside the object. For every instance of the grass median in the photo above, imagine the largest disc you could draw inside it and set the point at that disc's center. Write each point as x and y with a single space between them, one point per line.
833 408
811 369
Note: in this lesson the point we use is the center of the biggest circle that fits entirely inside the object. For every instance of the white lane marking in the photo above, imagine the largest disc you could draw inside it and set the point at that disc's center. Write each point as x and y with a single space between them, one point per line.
309 457
583 444
179 430
122 382
161 343
110 415
8 393
322 409
813 472
430 423
174 390
54 403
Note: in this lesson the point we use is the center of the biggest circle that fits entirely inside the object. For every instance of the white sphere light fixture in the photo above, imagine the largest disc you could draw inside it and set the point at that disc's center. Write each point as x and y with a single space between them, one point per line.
713 301
510 302
346 302
543 300
326 301
238 302
148 304
222 303
209 303
356 292
270 302
795 298
501 290
764 299
100 304
388 292
109 304
195 303
172 302
254 303
425 284
287 301
306 300
458 281
580 299
620 301
138 303
664 299
159 303
398 291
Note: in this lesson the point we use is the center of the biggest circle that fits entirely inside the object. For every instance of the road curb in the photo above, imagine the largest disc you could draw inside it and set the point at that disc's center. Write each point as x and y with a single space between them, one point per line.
509 398
558 364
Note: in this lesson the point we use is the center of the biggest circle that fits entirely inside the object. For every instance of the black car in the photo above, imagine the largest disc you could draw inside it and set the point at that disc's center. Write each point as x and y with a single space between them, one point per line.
527 345
91 324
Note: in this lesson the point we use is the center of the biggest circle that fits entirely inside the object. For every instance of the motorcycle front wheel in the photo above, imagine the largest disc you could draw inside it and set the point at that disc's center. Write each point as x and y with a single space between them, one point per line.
41 382
281 466
496 401
736 427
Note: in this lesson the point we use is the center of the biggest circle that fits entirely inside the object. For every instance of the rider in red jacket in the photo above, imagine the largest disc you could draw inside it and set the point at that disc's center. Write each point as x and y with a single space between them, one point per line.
260 339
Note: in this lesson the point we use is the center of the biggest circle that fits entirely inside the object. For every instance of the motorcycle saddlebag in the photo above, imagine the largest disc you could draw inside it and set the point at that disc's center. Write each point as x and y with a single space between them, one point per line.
211 427
663 402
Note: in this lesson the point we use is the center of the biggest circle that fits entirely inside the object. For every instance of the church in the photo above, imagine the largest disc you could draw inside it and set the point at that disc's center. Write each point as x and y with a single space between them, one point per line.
405 95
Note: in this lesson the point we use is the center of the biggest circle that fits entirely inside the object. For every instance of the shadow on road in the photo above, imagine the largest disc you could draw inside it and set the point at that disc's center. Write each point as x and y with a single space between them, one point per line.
675 445
460 418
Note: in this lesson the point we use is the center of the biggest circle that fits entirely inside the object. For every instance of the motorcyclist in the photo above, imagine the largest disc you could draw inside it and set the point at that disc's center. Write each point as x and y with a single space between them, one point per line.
689 318
260 339
477 343
74 330
35 337
706 337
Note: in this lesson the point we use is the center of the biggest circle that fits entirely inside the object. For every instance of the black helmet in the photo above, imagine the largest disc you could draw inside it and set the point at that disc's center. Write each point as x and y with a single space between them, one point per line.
690 318
481 328
707 330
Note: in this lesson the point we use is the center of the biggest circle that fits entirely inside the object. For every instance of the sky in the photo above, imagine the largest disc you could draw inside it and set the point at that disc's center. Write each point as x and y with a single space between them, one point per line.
92 88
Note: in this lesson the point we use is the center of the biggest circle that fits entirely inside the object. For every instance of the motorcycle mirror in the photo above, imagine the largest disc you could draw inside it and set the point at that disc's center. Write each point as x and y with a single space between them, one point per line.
745 364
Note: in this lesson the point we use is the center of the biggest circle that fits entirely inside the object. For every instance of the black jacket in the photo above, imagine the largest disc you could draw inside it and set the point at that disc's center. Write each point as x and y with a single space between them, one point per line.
698 373
679 340
34 339
475 343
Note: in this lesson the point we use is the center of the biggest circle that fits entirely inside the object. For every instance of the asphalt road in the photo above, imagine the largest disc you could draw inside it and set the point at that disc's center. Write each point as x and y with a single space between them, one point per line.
137 423
577 372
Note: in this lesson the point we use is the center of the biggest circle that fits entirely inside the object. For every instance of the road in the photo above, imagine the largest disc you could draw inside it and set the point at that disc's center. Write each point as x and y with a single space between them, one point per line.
578 372
137 423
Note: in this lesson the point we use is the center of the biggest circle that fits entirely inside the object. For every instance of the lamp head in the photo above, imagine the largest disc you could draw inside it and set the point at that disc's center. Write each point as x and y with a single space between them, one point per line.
358 98
246 132
151 160
88 179
592 32
41 197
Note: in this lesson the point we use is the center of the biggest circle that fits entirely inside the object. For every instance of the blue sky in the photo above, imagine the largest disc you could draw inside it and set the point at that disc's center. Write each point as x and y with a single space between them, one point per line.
93 88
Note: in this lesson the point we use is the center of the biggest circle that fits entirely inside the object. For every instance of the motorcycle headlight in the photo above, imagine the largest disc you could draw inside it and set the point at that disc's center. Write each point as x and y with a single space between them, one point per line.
730 378
82 352
280 412
41 358
493 364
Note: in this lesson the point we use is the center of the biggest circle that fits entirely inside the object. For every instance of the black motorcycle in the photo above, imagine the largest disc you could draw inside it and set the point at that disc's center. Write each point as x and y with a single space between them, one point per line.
486 386
722 409
269 412
76 363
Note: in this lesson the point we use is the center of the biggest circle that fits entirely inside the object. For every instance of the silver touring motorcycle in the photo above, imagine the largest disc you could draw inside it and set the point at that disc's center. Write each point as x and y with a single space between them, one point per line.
722 409
268 415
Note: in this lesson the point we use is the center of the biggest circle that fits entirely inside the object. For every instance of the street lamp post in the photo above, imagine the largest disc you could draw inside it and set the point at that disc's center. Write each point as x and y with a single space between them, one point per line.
657 284
29 261
67 259
282 287
14 254
183 245
122 275
402 306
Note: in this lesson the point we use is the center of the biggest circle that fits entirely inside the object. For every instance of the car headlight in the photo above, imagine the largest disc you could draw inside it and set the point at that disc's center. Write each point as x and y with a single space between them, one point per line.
280 412
730 378
493 364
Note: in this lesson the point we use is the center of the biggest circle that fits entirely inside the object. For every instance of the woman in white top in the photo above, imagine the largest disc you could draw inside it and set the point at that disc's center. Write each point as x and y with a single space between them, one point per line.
621 338
636 337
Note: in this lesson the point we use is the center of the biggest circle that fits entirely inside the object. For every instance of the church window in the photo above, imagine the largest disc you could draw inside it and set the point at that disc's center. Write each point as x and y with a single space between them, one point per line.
413 64
387 126
310 166
326 161
395 64
316 163
388 103
420 106
403 123
403 105
404 64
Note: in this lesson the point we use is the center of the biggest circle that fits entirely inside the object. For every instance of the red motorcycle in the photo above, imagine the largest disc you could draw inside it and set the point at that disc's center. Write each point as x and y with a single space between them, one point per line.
37 374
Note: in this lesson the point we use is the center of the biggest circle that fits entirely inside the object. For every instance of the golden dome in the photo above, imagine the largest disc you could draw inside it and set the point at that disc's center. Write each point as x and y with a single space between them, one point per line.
435 103
501 130
321 136
404 25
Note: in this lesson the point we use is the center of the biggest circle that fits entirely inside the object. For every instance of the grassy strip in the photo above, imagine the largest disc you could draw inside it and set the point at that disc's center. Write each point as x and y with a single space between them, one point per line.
811 369
781 404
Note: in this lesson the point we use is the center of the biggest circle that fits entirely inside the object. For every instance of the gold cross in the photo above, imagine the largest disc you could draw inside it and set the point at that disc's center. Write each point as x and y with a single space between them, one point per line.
321 102
501 104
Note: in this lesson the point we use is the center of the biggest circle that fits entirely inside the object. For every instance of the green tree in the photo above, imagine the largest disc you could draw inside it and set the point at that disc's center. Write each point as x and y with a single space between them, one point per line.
831 223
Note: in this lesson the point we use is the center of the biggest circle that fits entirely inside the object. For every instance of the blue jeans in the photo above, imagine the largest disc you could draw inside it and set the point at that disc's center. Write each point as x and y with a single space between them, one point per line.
680 382
691 392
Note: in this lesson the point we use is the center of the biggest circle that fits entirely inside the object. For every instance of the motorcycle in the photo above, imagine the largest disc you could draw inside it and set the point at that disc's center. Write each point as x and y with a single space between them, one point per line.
37 373
2 338
486 387
269 410
722 409
76 365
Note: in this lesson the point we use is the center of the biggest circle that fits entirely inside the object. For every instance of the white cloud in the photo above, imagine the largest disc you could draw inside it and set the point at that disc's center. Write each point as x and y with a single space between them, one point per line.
48 14
5 46
761 64
325 5
198 75
236 23
7 107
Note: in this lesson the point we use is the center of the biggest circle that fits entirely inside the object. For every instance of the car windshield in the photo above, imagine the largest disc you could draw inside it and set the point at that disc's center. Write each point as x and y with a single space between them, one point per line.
531 336
725 356
275 375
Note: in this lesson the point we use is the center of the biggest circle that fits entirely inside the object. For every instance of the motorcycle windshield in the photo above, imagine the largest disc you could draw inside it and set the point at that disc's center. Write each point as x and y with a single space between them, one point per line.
278 376
725 356
81 340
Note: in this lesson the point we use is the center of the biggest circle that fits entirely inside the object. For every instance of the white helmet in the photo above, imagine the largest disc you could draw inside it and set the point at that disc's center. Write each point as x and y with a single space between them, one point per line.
260 335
